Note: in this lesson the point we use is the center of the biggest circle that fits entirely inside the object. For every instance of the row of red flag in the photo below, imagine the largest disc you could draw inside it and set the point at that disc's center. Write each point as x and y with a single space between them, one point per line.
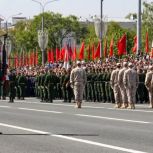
67 53
30 59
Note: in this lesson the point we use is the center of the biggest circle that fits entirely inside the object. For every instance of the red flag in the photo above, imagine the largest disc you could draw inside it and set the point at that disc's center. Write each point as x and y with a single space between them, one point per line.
134 49
89 51
93 52
62 53
122 45
49 55
111 51
147 43
105 49
74 56
36 58
52 56
81 54
97 53
57 54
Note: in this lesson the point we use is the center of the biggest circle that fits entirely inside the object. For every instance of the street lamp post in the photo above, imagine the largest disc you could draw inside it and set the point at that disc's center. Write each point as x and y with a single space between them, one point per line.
42 34
6 41
101 28
139 28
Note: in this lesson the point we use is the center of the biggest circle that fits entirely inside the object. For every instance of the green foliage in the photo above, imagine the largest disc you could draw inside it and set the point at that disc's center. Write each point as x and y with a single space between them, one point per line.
147 22
24 35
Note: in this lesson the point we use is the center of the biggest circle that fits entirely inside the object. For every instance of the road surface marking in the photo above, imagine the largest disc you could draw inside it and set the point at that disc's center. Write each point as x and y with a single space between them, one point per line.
24 129
99 144
73 139
5 107
38 110
116 119
94 107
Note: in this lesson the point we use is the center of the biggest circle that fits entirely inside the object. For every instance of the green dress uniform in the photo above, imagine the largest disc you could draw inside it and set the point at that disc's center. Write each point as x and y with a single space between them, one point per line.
22 82
50 82
12 84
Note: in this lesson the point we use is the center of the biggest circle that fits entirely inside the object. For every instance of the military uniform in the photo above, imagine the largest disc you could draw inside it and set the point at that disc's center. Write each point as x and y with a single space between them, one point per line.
78 80
22 82
50 82
115 87
12 84
149 85
131 81
122 87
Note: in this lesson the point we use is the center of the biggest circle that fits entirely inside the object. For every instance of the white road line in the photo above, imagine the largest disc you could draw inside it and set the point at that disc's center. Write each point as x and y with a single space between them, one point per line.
5 107
115 119
94 107
73 139
24 129
38 110
99 144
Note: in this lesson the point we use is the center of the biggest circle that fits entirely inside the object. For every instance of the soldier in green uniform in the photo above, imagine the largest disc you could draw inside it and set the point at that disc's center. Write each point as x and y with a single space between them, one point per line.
12 84
89 85
50 82
37 94
141 87
69 90
63 85
22 82
41 85
17 85
103 83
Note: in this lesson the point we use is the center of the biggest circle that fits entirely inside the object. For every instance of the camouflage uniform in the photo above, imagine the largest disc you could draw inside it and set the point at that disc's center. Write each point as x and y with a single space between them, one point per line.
131 80
115 87
149 85
122 87
78 80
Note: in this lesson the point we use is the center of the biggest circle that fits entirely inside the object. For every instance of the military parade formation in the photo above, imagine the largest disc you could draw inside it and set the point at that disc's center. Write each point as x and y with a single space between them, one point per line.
124 82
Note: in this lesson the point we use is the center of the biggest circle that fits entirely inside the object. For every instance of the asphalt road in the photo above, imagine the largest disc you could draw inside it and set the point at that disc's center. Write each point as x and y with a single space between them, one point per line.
32 127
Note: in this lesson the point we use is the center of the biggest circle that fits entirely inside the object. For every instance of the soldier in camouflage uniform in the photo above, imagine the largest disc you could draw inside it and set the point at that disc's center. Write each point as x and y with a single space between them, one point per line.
149 85
115 86
78 81
131 81
122 87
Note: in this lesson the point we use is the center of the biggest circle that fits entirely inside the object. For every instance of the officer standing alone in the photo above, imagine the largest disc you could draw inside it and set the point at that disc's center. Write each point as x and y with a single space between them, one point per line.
78 81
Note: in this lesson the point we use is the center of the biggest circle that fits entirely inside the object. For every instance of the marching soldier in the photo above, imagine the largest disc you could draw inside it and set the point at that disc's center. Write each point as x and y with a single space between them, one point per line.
78 81
50 82
121 85
115 86
12 84
22 82
149 85
131 81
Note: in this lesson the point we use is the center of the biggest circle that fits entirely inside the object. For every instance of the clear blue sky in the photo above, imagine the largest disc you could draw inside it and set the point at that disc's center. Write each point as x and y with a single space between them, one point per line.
114 9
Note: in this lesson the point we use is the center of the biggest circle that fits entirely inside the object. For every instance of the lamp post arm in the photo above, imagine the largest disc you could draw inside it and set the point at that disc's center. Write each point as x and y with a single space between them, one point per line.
49 2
